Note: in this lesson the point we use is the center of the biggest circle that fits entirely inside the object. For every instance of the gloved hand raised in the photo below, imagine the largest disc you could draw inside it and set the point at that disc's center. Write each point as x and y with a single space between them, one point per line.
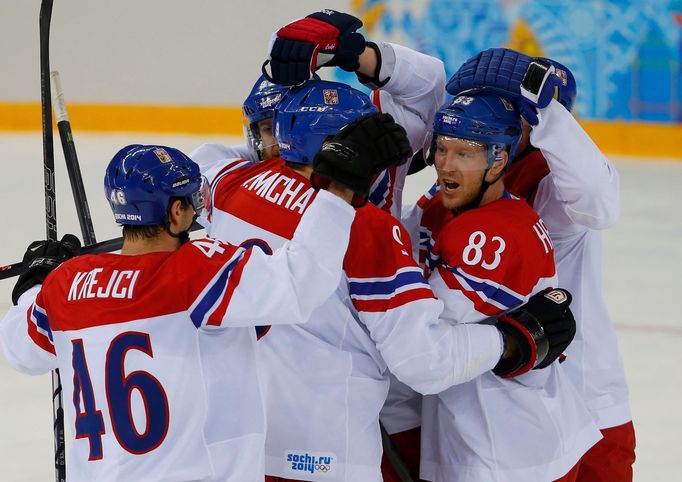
530 82
361 150
539 332
41 257
322 38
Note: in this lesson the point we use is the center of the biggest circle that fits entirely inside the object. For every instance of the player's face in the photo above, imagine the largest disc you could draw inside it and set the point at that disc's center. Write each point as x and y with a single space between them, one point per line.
460 164
270 147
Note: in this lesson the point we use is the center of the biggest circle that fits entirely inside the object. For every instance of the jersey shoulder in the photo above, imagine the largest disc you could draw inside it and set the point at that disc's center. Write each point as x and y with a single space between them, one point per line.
268 195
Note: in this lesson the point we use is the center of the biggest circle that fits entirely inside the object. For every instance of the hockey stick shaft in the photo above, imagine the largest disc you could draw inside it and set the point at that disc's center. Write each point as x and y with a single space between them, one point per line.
15 269
46 111
72 166
51 218
398 464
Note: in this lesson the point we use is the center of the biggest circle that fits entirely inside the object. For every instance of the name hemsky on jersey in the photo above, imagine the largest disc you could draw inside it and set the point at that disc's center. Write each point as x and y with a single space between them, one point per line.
281 189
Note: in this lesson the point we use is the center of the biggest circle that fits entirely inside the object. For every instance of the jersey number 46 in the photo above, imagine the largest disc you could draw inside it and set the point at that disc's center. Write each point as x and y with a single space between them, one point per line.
119 388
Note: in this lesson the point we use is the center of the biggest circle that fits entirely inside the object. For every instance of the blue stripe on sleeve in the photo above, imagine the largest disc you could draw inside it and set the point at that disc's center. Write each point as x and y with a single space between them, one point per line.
386 287
42 322
495 293
379 194
197 315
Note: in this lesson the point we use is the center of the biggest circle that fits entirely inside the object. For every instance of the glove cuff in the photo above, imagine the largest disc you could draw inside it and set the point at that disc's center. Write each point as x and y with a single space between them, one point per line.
374 82
527 355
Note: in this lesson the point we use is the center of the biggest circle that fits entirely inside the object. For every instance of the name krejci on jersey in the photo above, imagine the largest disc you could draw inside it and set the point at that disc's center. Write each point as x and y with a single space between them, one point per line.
97 283
281 190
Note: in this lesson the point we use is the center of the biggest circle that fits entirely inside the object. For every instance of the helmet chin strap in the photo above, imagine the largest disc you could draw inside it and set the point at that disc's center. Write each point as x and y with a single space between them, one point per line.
183 236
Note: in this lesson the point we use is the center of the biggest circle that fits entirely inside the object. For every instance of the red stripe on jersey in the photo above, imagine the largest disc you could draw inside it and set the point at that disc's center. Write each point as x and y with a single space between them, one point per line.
378 306
38 338
479 304
218 314
376 99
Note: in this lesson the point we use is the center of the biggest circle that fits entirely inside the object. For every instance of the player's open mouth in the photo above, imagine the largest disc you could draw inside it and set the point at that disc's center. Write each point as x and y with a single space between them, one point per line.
448 186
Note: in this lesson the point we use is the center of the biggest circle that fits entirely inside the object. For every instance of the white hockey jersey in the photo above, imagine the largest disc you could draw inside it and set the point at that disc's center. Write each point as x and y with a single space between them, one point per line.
576 191
157 351
413 92
327 379
534 427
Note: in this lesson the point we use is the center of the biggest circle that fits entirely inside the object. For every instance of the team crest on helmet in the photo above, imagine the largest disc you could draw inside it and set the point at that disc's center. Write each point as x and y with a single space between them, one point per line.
331 96
163 156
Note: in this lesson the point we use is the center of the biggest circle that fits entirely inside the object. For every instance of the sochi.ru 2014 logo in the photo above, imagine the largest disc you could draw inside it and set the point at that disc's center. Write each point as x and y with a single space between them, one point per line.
312 462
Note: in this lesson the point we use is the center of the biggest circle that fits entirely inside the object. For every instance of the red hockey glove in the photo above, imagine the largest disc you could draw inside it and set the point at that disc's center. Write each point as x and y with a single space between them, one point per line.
326 37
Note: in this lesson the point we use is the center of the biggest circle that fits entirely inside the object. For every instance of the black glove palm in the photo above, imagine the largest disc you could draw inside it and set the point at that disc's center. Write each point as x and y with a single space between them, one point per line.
40 258
361 149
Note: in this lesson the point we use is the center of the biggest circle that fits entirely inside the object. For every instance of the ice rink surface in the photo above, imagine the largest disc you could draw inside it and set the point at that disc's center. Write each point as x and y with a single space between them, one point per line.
642 278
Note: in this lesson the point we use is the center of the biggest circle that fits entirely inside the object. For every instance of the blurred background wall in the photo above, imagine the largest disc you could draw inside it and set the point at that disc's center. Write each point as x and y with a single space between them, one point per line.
181 66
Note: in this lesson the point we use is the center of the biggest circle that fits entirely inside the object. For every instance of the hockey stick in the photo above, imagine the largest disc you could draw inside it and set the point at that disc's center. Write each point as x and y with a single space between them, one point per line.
15 269
51 218
72 166
398 464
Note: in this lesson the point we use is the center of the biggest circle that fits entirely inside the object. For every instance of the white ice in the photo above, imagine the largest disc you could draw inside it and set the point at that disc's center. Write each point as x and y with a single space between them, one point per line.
642 269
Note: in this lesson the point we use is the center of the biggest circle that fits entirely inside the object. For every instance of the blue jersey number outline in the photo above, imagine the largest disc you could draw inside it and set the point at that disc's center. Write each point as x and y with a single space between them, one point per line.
119 388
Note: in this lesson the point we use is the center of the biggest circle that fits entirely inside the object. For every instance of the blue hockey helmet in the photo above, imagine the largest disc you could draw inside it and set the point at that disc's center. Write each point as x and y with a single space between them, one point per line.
141 180
567 91
258 106
313 112
488 119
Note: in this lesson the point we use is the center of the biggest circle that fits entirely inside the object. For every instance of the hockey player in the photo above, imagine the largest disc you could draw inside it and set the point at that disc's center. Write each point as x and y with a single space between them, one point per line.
489 256
258 110
407 84
574 187
156 346
327 380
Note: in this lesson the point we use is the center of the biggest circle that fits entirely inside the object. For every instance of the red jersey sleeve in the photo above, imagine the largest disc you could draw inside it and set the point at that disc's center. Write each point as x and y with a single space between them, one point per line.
381 272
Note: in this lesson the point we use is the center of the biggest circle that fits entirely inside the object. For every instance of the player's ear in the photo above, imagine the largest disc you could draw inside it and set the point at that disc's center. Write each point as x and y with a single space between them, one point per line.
175 209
